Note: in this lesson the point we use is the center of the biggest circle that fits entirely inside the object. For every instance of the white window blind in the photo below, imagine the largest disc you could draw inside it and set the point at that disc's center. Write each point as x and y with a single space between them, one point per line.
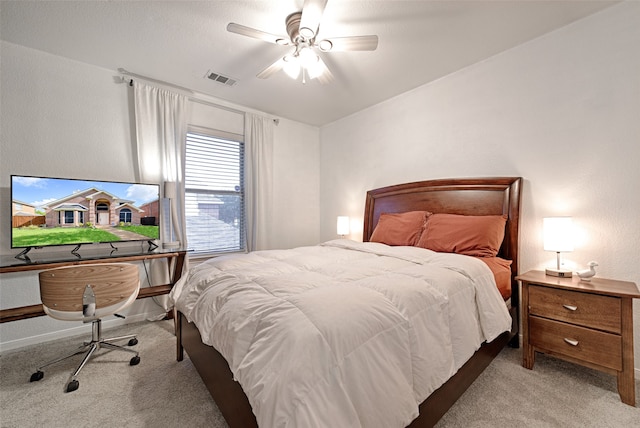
214 193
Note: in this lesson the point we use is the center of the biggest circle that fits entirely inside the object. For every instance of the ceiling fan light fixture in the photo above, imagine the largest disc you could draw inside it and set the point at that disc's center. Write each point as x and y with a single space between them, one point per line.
315 70
307 33
282 42
310 61
291 66
307 57
325 45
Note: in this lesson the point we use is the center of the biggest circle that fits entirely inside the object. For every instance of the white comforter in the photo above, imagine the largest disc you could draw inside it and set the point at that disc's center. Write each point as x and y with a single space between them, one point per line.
344 334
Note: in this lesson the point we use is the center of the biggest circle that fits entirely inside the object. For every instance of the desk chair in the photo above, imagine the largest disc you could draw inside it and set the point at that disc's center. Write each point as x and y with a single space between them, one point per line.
88 293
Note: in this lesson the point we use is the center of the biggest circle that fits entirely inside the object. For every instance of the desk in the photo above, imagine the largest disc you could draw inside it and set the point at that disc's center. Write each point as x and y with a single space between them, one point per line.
175 264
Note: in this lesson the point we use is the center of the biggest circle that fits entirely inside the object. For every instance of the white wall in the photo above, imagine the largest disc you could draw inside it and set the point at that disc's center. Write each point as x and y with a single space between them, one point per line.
296 189
64 118
562 111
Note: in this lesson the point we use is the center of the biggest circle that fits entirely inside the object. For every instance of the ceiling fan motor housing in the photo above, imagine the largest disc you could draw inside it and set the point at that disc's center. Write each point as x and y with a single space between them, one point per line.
293 26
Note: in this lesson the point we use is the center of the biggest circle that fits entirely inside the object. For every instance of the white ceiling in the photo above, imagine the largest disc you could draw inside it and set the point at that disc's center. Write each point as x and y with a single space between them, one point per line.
180 41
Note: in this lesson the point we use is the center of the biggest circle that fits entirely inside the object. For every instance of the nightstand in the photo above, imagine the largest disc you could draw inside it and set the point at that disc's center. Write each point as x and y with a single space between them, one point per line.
584 322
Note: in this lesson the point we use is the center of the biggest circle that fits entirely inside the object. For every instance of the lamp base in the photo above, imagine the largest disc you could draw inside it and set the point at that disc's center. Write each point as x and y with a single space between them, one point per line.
561 273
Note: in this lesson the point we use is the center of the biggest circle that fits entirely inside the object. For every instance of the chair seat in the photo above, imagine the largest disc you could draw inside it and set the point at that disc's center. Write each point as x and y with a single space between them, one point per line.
100 312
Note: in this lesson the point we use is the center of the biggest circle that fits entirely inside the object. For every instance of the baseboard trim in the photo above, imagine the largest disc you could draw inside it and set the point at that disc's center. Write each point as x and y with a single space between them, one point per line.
76 330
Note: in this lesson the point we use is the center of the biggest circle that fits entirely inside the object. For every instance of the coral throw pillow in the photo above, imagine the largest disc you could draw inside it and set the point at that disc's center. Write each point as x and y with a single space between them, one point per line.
479 236
400 228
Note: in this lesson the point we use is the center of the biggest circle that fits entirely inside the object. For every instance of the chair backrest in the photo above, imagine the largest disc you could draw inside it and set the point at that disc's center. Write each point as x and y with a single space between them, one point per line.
115 286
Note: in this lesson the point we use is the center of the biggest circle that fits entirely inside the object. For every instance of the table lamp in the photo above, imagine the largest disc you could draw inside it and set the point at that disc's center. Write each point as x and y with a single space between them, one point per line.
558 237
343 225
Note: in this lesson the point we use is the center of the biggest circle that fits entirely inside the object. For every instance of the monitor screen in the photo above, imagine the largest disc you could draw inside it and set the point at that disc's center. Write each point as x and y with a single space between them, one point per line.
48 211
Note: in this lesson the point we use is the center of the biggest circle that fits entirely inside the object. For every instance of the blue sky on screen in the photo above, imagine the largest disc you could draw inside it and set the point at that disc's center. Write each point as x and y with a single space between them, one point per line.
40 191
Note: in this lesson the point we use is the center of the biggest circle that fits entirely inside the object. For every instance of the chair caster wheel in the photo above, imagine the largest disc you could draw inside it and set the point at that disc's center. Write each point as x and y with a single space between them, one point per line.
133 342
134 361
36 376
73 385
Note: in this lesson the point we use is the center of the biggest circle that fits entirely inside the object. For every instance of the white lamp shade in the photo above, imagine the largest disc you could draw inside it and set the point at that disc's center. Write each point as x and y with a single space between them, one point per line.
343 225
558 234
170 189
315 68
291 66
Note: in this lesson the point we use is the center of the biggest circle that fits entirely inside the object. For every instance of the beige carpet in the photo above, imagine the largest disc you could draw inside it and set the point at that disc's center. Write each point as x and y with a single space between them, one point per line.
554 394
161 392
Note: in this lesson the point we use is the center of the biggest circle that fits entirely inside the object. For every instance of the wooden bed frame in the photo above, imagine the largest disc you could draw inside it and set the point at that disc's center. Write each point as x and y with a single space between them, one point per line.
469 196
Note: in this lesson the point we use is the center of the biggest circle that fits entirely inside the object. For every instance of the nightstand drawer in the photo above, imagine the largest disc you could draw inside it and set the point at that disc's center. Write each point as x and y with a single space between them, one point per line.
596 347
585 309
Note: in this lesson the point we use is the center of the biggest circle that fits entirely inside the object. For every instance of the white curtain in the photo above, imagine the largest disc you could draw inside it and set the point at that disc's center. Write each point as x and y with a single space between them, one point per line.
258 140
161 127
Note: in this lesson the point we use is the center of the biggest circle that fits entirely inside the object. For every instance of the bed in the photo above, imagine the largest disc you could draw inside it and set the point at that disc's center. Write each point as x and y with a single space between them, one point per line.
490 197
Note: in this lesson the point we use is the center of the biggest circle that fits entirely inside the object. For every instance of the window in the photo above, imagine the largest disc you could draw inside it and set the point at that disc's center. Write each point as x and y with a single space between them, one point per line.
214 193
68 217
125 215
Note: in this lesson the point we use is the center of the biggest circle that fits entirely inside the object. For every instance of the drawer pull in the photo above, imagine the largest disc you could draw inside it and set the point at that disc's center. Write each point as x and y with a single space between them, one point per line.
571 342
570 307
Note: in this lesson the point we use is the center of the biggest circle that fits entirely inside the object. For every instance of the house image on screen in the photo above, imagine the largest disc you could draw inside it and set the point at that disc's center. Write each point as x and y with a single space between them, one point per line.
94 206
24 214
19 208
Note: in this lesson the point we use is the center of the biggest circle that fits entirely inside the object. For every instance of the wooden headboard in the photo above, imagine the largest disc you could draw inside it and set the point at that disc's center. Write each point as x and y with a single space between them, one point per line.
468 196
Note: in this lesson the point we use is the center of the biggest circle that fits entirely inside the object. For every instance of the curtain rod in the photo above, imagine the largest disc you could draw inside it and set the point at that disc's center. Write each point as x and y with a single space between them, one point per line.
194 99
139 76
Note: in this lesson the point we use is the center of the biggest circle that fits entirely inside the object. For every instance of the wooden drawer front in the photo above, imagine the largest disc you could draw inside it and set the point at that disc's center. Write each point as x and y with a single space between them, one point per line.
597 347
588 310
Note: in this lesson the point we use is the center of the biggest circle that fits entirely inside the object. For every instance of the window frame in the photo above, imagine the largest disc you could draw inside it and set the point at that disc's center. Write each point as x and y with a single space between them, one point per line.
227 137
125 211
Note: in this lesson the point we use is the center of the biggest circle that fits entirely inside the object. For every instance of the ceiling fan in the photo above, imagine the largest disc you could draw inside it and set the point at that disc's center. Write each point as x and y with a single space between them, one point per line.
302 28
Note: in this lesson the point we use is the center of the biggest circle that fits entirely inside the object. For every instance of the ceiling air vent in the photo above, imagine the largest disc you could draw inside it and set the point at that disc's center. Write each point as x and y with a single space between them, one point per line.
219 78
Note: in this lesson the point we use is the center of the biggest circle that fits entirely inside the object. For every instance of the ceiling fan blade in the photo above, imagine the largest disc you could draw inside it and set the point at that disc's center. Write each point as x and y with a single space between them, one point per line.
256 34
326 76
312 11
354 43
273 68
